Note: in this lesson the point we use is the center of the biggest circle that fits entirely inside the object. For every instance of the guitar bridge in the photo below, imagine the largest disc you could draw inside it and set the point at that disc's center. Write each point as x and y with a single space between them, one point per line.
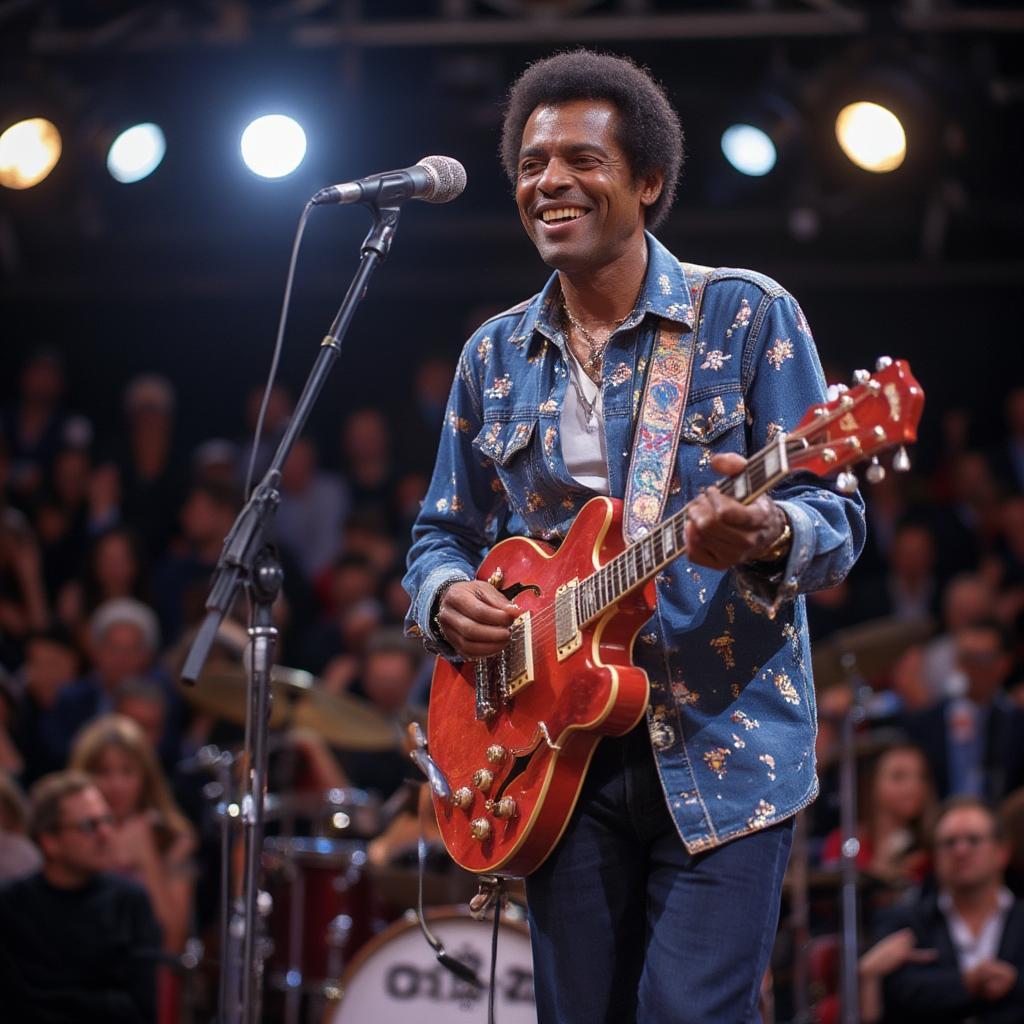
519 657
567 626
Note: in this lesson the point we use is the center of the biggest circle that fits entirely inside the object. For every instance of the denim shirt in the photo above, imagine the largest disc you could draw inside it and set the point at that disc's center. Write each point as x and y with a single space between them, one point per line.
732 711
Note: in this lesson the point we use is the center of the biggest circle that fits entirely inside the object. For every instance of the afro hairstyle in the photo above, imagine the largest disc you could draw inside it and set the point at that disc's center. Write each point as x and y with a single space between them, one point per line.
649 130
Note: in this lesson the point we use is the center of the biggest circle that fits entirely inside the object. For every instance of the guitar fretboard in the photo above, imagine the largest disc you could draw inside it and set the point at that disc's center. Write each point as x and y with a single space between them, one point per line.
644 559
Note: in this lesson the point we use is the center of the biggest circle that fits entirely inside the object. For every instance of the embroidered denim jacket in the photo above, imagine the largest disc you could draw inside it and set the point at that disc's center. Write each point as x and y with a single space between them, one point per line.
732 709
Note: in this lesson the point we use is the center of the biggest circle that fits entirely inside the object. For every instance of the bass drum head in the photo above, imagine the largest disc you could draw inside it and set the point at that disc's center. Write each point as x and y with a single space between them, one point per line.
396 979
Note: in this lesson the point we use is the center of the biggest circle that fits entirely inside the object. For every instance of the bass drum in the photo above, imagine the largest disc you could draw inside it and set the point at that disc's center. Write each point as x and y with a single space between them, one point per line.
396 979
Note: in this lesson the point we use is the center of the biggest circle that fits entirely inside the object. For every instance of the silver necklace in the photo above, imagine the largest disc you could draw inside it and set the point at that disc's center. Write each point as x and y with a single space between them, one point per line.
592 366
589 407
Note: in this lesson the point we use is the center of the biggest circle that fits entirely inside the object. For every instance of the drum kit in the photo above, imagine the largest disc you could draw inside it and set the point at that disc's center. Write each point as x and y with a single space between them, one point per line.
339 944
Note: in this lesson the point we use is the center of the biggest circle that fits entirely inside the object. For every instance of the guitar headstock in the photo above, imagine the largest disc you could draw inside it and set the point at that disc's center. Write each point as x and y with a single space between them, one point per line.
881 411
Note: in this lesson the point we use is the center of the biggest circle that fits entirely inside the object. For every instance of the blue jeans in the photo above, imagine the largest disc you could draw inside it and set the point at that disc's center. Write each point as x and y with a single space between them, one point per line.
629 927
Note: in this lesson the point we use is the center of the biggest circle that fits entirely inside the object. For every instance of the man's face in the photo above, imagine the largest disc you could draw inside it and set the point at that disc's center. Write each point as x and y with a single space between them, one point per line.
121 653
80 846
981 658
575 189
388 678
967 854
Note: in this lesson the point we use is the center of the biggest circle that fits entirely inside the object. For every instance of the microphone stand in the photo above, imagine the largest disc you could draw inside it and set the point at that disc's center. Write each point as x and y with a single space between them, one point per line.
855 715
249 560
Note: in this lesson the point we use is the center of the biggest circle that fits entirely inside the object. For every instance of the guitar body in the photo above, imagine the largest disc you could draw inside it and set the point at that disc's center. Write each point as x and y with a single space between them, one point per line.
537 744
513 733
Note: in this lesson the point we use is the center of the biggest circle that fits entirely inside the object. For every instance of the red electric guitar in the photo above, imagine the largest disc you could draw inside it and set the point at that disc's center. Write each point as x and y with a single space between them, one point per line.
513 733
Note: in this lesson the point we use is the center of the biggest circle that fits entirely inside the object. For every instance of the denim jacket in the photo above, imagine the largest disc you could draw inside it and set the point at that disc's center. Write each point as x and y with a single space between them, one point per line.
732 711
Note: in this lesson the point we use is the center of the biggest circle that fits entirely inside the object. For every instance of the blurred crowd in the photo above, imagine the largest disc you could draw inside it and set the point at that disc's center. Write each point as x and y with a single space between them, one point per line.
106 550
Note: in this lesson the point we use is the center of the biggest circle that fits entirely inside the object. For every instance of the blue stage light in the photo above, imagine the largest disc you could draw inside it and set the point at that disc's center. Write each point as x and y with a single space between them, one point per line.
136 153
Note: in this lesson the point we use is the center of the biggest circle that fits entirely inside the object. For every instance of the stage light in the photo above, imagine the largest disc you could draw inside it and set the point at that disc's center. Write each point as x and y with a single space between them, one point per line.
29 150
871 136
136 153
273 146
749 149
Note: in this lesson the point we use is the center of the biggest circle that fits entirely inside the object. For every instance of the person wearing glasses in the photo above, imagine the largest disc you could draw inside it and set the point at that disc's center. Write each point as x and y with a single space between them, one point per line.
957 956
77 945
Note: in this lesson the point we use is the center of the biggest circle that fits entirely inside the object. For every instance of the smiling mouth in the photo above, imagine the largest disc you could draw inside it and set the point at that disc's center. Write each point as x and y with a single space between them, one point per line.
563 214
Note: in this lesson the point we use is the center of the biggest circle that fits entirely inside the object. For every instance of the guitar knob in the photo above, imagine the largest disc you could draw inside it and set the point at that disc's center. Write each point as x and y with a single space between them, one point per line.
901 460
496 753
463 798
505 808
846 482
480 828
483 779
875 472
861 376
883 363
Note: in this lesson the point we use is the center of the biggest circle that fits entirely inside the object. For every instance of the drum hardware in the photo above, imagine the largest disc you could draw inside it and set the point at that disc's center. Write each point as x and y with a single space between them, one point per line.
297 699
394 980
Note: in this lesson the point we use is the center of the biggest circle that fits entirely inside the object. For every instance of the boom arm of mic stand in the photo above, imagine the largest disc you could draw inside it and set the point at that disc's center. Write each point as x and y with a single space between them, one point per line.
247 535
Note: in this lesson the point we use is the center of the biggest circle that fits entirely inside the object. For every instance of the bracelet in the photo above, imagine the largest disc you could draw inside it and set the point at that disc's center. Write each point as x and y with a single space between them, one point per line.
435 625
780 546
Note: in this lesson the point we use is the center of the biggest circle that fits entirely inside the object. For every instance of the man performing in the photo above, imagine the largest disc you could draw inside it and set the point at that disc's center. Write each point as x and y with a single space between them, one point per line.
661 900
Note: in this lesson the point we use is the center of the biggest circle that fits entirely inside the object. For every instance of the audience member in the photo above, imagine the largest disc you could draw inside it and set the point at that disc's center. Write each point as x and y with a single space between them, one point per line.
77 945
1008 458
19 856
124 640
895 817
1011 814
910 588
151 841
113 568
967 599
368 466
312 511
150 472
23 599
956 956
973 742
182 577
52 664
37 426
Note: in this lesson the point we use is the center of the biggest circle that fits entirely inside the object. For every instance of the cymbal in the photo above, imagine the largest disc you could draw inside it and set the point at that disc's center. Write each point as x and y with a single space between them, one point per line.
341 719
874 645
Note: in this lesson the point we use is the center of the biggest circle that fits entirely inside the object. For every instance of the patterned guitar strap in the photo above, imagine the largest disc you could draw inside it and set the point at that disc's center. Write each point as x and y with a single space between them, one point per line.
656 438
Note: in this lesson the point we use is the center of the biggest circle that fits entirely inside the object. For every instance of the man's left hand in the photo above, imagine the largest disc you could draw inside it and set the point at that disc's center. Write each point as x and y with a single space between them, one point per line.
721 532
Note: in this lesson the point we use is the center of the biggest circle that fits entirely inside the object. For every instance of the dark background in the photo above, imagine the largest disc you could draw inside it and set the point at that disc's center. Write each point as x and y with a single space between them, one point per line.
182 273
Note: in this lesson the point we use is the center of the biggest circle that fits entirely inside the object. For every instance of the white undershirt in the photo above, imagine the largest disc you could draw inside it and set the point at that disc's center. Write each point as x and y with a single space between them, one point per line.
586 457
972 949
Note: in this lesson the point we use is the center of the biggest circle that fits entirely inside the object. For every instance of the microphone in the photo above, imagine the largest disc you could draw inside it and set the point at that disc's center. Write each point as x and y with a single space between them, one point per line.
435 179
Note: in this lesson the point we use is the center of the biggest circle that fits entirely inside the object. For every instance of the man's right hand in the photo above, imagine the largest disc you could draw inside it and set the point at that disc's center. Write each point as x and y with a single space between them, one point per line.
475 618
991 979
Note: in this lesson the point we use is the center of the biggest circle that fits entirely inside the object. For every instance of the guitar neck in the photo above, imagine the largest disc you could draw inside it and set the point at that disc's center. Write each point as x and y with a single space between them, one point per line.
645 558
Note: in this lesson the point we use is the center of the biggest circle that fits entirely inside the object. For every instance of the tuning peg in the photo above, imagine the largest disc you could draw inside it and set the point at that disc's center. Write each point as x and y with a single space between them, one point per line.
875 471
861 376
835 390
883 363
901 460
846 482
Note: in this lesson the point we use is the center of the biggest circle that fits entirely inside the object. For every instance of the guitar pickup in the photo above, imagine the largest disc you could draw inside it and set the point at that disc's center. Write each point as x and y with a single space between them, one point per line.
519 657
567 625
